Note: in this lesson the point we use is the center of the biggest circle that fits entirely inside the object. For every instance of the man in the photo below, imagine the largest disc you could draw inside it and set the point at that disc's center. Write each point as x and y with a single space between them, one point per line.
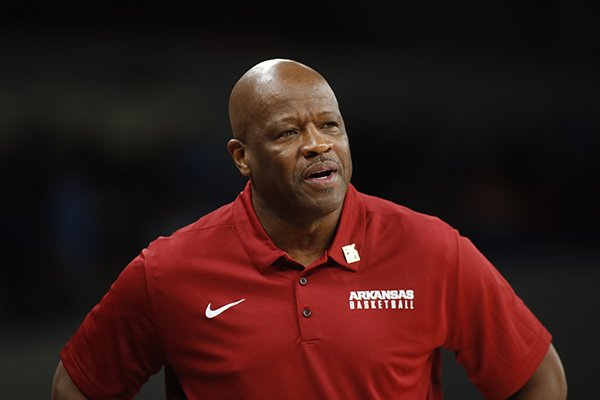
303 287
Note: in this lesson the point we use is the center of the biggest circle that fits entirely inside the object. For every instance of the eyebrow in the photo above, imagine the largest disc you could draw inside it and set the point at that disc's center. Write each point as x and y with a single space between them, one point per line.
319 114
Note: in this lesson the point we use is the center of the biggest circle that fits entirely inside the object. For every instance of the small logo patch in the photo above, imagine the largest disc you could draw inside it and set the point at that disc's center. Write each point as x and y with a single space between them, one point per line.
350 253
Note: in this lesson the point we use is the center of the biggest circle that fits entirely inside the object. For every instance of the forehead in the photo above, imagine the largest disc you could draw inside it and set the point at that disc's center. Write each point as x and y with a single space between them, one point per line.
283 99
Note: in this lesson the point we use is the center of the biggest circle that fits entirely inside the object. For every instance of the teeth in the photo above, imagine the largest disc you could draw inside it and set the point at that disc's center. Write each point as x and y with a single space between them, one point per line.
321 174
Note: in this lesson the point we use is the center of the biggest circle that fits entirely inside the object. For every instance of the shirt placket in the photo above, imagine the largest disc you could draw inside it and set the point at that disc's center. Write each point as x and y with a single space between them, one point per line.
307 308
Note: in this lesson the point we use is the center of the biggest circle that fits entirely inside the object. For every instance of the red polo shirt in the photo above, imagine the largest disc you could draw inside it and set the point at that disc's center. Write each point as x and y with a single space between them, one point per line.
236 318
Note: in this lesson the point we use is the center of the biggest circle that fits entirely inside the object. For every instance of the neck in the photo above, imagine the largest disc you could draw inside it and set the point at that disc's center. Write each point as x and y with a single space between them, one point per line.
305 240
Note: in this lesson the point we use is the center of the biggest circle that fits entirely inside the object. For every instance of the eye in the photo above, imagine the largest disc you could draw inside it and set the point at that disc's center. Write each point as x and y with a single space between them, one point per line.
287 133
330 125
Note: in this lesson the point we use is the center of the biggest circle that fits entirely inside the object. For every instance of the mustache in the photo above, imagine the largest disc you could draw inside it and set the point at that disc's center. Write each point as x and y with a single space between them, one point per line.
323 159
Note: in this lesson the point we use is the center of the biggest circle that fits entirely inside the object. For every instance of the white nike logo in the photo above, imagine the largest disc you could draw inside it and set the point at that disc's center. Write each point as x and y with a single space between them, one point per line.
213 313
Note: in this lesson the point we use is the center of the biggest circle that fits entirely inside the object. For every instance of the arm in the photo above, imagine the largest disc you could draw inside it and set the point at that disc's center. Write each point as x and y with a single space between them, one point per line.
548 381
116 348
63 387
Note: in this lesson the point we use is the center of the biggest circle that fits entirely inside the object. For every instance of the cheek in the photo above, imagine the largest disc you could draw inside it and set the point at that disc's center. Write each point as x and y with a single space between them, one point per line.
274 166
343 151
283 161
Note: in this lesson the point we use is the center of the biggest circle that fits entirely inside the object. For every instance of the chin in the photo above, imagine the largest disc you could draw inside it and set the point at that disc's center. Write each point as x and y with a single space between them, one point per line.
328 200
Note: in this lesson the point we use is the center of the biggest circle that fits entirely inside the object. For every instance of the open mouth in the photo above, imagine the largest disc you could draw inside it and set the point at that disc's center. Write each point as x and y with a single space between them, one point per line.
321 172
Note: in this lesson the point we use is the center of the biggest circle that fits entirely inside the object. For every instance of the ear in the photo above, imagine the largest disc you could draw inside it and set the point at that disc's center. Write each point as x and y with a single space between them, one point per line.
237 149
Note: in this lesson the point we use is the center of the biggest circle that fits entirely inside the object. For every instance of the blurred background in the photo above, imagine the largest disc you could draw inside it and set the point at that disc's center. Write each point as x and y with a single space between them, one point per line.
113 124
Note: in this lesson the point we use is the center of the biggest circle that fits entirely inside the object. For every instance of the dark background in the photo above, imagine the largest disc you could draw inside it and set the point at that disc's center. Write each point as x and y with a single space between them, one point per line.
113 124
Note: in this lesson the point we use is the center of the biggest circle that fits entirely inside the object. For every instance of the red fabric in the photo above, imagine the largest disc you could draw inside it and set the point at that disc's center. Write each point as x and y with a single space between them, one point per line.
117 347
375 328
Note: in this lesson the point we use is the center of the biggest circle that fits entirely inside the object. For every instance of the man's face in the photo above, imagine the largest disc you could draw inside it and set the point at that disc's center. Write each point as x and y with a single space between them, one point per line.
298 152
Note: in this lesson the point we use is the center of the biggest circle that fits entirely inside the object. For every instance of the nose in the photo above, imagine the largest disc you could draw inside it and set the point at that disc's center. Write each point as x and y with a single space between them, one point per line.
315 143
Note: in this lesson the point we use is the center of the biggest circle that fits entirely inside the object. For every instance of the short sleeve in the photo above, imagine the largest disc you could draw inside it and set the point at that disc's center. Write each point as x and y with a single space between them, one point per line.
116 348
493 334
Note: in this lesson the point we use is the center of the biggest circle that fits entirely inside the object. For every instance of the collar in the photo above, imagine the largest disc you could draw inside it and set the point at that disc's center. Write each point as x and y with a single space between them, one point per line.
263 252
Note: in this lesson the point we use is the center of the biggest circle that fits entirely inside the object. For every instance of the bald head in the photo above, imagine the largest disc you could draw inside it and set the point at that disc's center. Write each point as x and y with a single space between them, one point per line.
287 129
267 82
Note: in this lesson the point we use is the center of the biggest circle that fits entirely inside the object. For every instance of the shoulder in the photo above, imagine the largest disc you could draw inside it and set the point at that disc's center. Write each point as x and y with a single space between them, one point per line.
402 218
395 230
211 231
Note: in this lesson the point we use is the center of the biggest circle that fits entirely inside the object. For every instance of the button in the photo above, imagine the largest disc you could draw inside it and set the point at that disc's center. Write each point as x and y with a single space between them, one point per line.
303 281
306 313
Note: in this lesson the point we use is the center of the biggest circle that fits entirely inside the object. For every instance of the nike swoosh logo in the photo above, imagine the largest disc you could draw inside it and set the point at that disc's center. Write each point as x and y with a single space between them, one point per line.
213 313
